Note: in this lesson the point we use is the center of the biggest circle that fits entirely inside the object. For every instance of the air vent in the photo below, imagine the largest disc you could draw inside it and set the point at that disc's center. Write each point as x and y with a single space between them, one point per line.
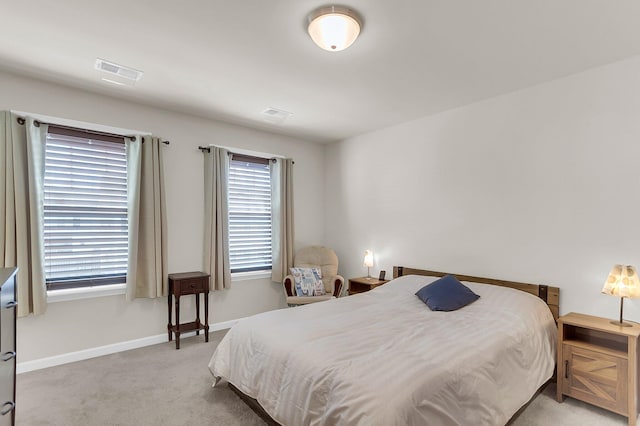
117 74
276 116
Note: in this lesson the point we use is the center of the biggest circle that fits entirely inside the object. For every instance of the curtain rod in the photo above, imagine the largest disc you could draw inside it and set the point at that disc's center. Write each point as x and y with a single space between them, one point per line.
208 149
37 123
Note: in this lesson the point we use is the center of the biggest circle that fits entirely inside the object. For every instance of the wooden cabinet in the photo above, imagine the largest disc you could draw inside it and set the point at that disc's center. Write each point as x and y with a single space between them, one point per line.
598 363
183 284
8 309
363 284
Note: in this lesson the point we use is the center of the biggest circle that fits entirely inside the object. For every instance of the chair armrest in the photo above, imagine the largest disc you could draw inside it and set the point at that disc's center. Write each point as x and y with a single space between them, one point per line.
338 284
289 288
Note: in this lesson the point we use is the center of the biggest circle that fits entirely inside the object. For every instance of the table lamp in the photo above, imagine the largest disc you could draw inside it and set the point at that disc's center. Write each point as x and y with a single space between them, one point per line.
623 282
368 261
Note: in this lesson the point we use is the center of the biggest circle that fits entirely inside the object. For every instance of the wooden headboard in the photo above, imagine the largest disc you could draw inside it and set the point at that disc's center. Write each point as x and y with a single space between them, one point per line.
550 295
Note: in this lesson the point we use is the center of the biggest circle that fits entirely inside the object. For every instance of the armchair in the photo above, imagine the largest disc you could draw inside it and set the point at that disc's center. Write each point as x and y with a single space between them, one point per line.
315 257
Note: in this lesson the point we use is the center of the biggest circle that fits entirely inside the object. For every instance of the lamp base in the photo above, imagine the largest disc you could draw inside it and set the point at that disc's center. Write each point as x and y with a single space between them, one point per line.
621 324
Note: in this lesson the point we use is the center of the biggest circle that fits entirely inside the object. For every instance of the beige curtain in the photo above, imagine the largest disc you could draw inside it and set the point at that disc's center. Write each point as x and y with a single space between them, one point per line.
282 226
216 212
147 263
22 145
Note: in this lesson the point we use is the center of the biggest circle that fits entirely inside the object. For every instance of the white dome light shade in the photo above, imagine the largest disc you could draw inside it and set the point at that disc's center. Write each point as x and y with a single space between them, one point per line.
334 28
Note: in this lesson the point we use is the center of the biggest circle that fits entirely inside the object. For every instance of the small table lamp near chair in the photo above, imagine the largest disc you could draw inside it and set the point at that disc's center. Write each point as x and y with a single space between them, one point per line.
623 282
368 262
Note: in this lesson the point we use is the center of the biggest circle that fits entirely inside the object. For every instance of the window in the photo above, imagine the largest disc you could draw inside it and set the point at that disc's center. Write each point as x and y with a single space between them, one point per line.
249 214
85 209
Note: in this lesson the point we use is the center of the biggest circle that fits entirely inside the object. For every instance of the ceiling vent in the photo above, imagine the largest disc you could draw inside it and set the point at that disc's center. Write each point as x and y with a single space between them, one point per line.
276 116
111 72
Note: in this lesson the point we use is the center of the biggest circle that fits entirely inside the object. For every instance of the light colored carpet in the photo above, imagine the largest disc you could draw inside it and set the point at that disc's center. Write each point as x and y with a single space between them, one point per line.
158 385
545 410
154 385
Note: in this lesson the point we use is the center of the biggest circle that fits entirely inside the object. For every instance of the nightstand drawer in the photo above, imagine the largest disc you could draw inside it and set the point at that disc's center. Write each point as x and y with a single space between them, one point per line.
192 286
596 378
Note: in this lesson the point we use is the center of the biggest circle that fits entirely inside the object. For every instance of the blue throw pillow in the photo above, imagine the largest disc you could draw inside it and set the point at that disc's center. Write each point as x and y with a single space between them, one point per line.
446 294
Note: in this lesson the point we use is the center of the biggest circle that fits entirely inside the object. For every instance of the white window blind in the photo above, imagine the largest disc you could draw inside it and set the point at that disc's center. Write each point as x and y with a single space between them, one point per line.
85 211
249 214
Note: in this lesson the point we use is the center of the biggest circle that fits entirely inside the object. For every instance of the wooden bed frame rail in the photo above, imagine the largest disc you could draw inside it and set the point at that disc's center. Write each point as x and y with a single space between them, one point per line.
550 295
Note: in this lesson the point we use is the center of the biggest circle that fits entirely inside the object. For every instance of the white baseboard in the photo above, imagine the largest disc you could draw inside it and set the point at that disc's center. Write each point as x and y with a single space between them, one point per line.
37 364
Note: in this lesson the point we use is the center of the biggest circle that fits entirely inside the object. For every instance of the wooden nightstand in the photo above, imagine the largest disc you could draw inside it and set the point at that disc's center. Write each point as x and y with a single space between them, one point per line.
598 363
362 284
188 283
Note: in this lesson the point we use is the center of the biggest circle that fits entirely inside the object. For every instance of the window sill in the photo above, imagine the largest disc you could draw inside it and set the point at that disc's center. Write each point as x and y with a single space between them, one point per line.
254 275
66 295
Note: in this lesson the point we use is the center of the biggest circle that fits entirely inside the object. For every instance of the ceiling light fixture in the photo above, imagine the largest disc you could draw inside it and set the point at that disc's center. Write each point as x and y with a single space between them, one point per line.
334 28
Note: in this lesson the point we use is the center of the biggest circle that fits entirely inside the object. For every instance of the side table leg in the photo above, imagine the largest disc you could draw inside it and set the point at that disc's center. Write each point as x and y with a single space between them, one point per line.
177 322
206 316
197 313
169 314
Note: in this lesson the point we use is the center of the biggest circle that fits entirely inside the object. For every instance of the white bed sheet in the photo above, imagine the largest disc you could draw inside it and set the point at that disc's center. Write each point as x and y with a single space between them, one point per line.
384 358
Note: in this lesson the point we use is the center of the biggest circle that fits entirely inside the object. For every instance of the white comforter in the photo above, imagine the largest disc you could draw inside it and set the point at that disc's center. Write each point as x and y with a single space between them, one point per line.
384 358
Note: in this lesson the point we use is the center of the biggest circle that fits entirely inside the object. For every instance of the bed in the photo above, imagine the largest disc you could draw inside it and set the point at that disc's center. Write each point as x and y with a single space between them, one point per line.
384 358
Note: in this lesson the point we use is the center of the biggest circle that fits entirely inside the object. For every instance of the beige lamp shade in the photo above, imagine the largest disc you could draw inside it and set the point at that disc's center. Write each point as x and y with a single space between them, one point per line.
334 28
368 258
622 281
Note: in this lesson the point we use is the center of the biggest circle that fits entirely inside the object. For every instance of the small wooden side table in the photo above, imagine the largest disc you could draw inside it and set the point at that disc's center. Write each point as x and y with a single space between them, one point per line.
363 284
188 283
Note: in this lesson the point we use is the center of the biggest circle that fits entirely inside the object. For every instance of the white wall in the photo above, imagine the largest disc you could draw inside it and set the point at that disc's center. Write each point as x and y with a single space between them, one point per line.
541 185
76 325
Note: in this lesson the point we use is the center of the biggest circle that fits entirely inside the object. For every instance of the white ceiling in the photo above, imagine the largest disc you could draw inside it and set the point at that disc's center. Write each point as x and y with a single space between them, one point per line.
231 59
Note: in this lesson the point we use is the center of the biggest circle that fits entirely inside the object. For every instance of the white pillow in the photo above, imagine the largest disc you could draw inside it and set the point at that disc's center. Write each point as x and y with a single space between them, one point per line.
308 281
